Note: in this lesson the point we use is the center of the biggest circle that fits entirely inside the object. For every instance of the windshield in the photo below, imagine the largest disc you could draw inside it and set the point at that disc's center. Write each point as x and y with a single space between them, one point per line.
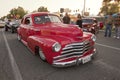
87 20
46 18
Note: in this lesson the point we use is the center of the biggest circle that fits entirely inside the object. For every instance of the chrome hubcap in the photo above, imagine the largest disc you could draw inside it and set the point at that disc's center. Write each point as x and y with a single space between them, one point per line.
18 36
42 56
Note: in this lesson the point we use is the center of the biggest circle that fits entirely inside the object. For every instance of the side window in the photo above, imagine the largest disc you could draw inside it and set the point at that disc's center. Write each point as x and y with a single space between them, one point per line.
27 21
38 20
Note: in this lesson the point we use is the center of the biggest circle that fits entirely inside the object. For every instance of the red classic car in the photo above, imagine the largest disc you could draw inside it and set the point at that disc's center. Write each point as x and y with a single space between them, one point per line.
90 25
101 20
56 43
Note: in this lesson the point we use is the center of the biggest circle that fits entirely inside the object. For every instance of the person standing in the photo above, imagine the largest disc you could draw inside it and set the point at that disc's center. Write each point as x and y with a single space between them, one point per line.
66 19
108 26
117 26
79 21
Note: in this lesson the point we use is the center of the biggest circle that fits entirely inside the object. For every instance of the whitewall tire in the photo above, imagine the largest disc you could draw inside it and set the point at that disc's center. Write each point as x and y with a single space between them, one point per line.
18 37
41 54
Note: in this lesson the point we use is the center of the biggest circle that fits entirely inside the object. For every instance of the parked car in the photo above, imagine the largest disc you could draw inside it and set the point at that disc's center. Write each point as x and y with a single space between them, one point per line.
12 25
57 43
90 25
2 24
101 20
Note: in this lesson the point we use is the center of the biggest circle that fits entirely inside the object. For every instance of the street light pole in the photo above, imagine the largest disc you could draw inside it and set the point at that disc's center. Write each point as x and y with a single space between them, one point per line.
84 7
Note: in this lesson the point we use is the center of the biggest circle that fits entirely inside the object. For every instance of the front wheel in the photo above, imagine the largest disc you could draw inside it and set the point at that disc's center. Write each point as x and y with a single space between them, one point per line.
12 29
41 54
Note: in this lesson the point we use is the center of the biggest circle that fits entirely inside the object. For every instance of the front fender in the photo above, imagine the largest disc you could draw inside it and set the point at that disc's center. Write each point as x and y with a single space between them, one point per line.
87 36
45 44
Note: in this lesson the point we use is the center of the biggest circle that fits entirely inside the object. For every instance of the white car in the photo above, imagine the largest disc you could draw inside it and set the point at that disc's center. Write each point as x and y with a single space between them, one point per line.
12 25
2 24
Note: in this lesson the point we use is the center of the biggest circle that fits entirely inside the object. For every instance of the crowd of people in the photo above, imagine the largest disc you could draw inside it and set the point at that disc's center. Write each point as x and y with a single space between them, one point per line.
117 26
111 21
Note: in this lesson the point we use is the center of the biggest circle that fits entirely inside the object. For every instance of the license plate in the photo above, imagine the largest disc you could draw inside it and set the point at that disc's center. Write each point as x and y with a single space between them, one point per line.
86 59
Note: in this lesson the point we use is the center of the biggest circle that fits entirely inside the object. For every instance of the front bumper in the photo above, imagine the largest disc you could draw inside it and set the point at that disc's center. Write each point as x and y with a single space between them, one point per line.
73 62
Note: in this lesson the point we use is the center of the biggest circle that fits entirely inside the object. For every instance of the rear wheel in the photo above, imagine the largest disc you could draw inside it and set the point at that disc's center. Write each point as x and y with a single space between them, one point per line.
18 37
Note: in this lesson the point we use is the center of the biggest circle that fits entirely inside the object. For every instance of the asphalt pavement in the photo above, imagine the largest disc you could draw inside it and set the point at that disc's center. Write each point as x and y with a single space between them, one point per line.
29 67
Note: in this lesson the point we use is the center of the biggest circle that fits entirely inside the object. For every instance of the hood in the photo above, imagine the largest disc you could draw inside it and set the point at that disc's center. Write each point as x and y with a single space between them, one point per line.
61 29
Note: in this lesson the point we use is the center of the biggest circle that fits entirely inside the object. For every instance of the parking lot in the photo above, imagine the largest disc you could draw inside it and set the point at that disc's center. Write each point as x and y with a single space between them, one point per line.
17 62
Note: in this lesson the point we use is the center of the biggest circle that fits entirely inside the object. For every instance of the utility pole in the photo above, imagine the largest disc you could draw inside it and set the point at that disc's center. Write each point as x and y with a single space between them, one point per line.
84 7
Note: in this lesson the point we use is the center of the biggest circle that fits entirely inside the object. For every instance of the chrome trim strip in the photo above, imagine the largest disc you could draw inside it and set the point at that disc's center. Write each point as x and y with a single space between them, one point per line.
74 44
66 55
64 64
72 50
70 47
80 50
66 58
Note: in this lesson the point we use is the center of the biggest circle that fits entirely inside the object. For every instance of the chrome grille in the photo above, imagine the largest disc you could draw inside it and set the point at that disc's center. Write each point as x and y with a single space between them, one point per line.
77 48
73 50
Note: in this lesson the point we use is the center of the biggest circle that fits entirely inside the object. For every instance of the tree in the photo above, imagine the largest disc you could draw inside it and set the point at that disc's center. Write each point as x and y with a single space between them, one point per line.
42 9
9 16
17 12
109 8
2 18
114 8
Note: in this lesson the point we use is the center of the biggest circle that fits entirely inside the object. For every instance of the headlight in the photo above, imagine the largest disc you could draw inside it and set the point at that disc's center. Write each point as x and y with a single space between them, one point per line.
56 47
93 37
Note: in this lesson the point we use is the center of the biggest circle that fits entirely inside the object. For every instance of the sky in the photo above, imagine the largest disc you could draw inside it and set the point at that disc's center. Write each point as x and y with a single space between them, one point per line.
52 5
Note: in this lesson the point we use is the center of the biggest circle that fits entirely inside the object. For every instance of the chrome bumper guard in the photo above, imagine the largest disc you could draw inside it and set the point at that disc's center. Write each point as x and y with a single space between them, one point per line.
74 62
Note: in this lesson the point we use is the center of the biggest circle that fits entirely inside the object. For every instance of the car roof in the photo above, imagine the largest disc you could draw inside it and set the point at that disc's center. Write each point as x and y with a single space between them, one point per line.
38 13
